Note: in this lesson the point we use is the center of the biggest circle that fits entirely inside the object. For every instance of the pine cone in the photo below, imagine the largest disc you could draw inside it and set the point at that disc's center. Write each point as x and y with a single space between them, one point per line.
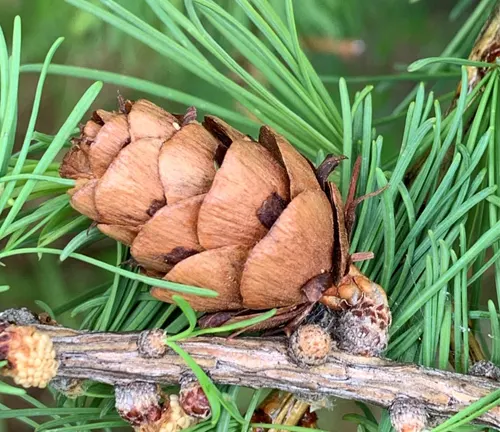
204 205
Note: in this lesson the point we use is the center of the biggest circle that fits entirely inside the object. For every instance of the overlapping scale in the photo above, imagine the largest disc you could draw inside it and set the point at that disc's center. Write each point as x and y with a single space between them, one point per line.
217 269
169 236
248 176
297 248
186 163
130 190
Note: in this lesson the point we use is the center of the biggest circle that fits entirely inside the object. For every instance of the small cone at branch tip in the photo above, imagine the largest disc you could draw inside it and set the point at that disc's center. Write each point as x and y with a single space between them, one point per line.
138 403
309 345
151 343
408 415
30 355
193 399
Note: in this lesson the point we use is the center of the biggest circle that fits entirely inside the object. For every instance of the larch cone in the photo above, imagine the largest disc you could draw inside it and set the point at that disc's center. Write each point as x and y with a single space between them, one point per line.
203 204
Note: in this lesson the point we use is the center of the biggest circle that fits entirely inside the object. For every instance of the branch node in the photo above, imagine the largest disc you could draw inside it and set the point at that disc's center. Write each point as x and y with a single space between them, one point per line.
309 345
151 343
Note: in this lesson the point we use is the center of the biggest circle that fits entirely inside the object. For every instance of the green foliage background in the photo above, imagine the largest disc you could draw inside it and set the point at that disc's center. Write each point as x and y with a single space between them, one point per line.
441 244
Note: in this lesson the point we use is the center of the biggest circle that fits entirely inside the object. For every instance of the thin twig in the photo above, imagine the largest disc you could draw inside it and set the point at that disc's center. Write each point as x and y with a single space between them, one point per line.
263 363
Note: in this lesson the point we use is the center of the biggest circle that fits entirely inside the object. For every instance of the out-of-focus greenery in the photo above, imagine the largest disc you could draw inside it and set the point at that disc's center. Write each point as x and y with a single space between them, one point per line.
394 34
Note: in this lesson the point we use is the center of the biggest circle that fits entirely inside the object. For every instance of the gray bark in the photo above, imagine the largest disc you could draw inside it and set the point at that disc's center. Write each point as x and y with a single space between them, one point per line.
263 363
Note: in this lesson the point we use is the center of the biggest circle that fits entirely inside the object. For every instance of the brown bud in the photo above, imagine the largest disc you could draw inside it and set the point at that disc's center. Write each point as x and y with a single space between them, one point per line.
151 343
408 415
309 345
138 403
363 329
45 319
309 419
30 355
193 399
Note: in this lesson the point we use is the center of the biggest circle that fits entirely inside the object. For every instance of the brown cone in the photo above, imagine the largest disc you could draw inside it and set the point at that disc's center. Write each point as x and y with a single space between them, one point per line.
206 205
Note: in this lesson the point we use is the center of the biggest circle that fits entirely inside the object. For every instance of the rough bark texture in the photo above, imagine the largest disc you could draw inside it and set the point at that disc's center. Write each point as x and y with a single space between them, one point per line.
114 359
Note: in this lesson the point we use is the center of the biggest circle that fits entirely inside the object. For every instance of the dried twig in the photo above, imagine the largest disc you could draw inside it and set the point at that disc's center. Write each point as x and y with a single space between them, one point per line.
263 363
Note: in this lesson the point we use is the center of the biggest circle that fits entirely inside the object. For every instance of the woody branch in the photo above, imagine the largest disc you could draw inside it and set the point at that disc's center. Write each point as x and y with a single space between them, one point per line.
263 363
